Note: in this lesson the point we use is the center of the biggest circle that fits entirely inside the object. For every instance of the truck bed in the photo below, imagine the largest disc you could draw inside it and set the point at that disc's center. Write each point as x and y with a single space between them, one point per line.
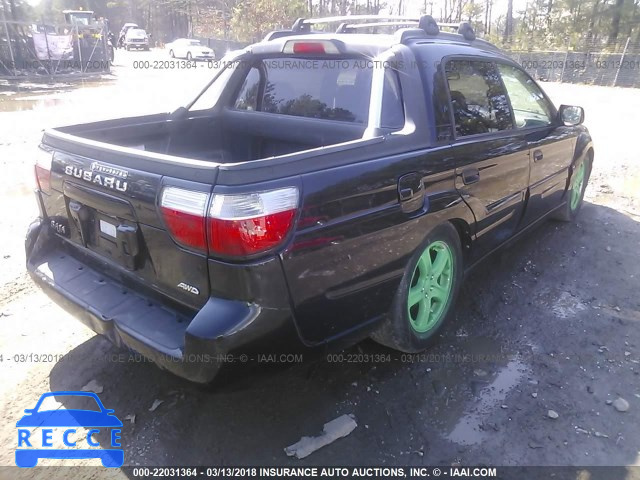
226 137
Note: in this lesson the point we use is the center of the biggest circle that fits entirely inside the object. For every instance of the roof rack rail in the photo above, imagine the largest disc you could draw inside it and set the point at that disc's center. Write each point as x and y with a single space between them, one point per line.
423 26
304 24
425 22
352 27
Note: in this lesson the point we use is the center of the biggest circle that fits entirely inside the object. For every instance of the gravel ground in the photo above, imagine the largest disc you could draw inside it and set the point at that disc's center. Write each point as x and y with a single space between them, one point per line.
546 336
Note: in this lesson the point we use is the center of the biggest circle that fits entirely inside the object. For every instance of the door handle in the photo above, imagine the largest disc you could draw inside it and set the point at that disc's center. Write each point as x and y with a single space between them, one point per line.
470 175
537 155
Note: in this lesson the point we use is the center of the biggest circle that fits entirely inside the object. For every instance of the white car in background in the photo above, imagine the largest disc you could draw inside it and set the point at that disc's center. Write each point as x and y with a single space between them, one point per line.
190 49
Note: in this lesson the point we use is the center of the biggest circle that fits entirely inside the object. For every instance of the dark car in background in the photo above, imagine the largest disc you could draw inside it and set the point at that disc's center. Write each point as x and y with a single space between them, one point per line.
323 188
136 38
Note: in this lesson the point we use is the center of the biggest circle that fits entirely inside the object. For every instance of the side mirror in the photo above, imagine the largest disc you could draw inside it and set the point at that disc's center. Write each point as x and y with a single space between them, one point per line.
571 115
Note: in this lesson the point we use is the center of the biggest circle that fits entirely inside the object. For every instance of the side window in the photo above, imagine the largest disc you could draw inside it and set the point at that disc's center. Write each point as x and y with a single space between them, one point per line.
392 107
530 108
247 98
478 98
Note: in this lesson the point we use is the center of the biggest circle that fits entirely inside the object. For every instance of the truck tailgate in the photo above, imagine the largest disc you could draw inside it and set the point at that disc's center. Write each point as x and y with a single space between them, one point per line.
111 210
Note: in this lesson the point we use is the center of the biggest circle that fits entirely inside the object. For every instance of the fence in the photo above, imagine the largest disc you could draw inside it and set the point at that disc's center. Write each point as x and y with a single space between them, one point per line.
594 65
29 50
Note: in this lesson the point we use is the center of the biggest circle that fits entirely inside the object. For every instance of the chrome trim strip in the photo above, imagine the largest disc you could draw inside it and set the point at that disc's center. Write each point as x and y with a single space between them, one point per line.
160 157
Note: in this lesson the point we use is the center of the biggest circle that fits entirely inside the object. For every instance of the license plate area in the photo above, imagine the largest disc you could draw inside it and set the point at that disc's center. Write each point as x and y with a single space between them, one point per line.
108 229
115 238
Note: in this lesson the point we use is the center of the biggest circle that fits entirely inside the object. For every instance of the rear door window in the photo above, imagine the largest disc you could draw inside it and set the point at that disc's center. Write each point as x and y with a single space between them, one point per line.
478 97
392 107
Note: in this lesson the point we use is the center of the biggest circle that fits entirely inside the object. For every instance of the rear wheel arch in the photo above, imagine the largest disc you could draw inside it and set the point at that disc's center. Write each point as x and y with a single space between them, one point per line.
400 329
590 154
586 157
464 232
589 157
578 177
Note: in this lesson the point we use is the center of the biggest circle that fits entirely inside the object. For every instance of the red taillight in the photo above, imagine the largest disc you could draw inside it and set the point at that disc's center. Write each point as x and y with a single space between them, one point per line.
251 223
253 235
184 215
236 225
43 169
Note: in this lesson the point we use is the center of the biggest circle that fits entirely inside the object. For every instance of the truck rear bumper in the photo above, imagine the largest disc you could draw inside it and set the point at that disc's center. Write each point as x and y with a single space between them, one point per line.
191 344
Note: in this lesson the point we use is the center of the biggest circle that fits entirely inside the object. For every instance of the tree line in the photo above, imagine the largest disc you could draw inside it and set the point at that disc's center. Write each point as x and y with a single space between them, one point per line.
603 24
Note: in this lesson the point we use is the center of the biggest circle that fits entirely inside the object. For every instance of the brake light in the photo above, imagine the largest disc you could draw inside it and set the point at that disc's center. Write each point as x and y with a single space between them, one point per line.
44 159
310 47
184 214
250 223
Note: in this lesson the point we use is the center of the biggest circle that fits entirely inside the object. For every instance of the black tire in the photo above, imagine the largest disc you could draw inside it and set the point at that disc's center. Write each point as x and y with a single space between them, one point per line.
396 331
566 213
171 54
189 56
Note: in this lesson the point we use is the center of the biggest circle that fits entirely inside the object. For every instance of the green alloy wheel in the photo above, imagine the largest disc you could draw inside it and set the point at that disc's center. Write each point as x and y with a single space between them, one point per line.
430 289
575 193
577 185
426 296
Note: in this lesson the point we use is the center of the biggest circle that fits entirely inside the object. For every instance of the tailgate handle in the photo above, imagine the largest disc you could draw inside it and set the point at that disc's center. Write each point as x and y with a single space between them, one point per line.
82 218
99 200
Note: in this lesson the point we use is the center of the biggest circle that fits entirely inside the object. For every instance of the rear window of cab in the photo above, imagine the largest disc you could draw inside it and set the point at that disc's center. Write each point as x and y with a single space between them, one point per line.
338 90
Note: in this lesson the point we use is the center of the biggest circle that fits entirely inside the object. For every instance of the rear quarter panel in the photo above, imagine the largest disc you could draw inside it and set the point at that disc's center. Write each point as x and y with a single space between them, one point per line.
353 241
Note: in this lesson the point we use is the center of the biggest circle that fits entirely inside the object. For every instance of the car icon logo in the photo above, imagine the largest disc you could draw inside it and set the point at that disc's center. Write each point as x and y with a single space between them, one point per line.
36 432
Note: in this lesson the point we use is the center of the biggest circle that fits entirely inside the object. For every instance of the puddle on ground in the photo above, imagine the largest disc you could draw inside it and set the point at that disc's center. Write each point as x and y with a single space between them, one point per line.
472 381
19 104
468 429
567 306
36 96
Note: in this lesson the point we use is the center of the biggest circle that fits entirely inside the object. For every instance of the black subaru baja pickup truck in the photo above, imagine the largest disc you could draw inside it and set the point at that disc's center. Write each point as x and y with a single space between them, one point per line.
323 188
